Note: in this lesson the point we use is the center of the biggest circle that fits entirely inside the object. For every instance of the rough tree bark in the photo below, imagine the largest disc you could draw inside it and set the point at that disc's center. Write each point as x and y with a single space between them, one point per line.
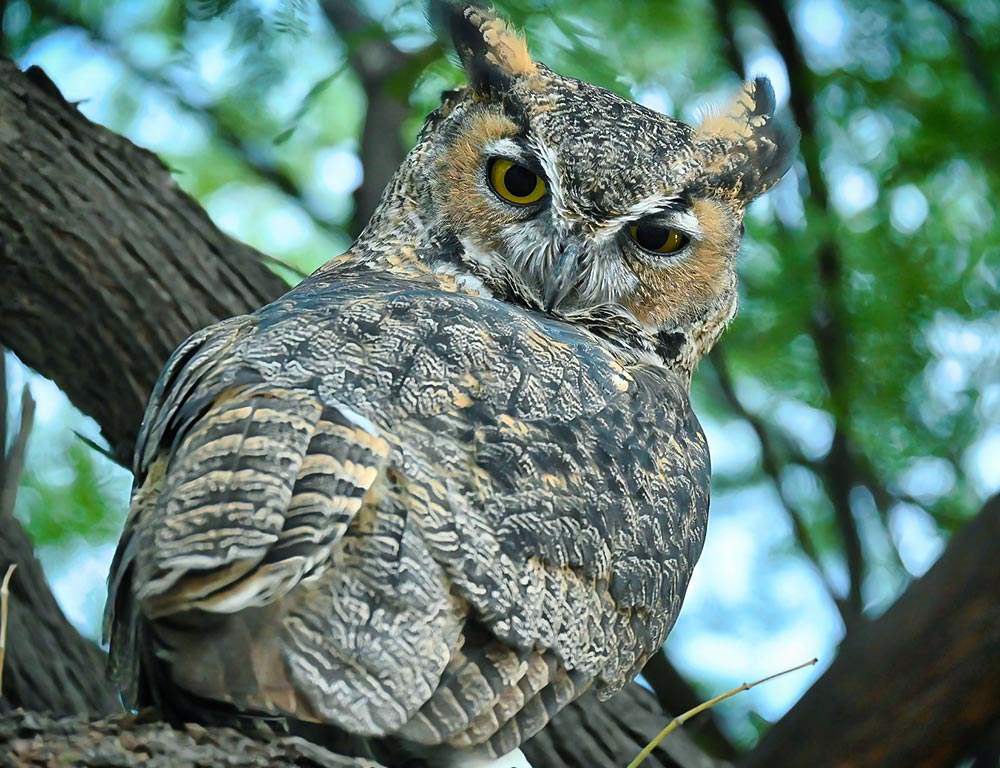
85 215
943 637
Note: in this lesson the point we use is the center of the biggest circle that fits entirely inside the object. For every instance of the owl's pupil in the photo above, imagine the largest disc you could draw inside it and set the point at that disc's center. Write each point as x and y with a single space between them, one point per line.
651 237
519 181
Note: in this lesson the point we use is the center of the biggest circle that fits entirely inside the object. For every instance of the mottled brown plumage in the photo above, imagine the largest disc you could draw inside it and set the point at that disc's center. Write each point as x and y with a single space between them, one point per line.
452 480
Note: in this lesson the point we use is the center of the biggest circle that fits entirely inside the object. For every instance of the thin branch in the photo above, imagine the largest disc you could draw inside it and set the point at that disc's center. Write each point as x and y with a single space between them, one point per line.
4 605
681 719
675 694
14 461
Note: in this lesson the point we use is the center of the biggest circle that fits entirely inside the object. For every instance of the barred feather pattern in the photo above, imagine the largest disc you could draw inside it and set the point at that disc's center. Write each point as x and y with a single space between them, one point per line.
406 513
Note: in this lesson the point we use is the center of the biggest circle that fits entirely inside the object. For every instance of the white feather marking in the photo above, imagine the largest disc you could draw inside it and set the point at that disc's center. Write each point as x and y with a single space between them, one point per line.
472 251
464 280
355 418
550 166
505 148
655 205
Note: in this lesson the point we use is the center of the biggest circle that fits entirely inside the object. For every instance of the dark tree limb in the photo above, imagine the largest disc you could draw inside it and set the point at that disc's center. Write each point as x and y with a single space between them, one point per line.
12 460
919 687
3 404
830 322
772 450
94 233
48 666
30 740
724 18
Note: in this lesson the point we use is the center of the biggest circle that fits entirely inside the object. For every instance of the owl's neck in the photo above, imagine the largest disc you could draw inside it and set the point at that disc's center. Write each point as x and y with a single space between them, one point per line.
399 239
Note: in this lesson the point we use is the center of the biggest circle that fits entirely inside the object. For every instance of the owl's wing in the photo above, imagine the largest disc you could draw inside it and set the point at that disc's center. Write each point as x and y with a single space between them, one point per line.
406 511
242 488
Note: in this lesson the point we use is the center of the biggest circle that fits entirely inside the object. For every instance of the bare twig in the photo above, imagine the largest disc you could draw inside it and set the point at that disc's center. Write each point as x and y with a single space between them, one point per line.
4 600
675 694
681 719
14 461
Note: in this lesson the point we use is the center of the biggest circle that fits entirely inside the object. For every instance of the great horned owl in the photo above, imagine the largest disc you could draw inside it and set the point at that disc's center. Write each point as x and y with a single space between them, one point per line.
452 480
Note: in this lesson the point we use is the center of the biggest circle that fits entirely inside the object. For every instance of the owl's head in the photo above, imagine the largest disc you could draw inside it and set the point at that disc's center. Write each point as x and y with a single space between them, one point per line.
562 196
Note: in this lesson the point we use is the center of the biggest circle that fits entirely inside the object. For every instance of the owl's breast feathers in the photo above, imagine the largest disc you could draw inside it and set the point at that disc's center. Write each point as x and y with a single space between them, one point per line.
405 511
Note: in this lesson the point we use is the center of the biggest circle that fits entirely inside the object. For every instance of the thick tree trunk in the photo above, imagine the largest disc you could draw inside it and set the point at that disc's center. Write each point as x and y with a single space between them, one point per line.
107 265
101 253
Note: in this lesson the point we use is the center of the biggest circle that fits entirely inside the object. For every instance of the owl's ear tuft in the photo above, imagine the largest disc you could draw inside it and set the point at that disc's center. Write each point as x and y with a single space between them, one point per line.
493 53
751 147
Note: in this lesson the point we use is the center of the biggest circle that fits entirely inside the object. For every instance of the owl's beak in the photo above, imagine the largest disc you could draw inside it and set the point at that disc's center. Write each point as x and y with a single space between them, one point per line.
564 276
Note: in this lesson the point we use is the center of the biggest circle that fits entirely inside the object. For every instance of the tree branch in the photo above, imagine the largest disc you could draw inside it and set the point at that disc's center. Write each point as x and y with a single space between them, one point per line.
125 741
49 666
594 734
724 17
771 464
386 75
919 687
100 250
13 462
675 694
829 317
3 400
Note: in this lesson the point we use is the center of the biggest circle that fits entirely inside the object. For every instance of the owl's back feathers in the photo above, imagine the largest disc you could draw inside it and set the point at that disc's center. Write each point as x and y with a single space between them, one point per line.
407 512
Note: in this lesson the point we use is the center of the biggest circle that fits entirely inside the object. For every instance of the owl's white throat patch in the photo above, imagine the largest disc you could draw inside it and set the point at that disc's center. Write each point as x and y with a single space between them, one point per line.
466 281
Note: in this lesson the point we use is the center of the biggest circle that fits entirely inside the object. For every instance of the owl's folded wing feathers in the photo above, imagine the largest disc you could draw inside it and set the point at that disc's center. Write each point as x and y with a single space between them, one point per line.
242 490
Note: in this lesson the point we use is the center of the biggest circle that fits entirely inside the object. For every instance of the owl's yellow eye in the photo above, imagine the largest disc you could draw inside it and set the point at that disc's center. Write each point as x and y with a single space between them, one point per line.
657 238
515 183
